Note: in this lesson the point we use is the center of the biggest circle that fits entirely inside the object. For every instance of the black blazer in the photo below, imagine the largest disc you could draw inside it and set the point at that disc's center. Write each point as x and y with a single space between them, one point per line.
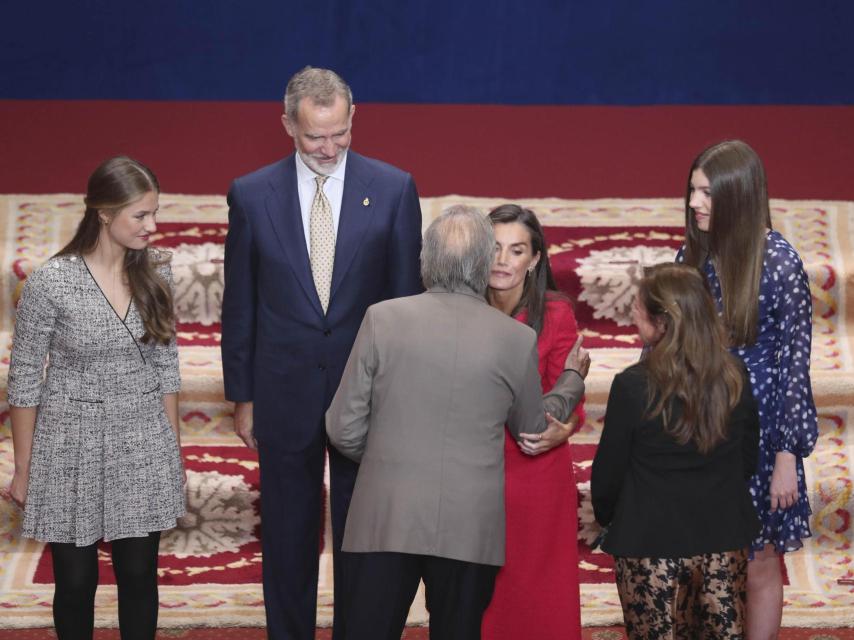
661 499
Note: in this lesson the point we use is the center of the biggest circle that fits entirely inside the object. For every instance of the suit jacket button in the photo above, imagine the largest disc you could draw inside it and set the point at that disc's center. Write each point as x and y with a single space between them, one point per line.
327 333
322 367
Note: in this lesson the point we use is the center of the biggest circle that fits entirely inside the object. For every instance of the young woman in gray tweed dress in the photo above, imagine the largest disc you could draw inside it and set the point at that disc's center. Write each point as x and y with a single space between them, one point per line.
97 451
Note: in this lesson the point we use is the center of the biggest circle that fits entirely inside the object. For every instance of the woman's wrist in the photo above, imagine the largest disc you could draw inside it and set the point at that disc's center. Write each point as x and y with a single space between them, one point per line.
22 461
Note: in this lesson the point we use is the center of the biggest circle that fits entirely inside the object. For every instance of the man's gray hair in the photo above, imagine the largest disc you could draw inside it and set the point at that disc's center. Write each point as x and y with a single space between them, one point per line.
457 250
320 85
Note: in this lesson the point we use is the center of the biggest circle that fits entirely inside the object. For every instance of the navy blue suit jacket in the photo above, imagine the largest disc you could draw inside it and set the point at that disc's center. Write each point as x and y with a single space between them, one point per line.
278 348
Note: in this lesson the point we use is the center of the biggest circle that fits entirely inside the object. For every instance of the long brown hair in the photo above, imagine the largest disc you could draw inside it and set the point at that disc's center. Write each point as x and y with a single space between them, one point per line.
115 184
540 285
737 228
690 363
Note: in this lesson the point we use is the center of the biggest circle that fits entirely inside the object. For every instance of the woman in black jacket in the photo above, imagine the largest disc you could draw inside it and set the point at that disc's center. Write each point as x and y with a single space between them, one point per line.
669 478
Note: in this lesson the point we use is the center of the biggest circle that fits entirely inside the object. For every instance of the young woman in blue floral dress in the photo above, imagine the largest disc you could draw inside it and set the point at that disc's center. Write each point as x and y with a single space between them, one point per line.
763 295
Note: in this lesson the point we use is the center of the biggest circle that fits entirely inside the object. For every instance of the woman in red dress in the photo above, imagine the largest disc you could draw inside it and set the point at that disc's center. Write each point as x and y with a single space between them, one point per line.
536 592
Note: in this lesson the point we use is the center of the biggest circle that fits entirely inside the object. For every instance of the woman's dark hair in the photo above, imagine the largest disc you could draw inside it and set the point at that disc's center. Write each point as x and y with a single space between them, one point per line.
115 184
690 363
539 285
736 238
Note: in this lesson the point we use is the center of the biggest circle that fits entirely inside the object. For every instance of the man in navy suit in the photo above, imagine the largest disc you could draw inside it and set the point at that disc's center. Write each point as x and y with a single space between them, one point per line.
313 241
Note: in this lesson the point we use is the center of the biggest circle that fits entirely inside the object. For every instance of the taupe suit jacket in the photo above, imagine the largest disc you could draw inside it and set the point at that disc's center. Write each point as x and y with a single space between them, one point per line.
430 383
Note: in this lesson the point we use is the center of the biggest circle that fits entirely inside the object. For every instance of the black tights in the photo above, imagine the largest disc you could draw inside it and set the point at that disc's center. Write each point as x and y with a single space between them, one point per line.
75 572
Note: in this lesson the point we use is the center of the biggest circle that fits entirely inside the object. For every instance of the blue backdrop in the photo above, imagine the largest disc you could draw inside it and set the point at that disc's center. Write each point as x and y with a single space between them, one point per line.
536 52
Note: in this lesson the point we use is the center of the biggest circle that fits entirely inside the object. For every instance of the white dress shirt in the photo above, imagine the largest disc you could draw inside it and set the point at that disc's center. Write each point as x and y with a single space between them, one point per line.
307 187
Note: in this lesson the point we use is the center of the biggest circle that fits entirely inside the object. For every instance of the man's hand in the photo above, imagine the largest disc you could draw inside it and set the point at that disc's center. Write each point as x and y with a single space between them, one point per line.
578 358
556 433
784 481
243 424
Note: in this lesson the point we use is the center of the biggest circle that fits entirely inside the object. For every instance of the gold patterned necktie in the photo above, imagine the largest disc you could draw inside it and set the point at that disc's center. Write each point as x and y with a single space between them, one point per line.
322 238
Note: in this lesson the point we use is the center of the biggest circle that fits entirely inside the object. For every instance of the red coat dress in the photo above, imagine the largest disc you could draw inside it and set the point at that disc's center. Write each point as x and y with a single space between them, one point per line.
536 592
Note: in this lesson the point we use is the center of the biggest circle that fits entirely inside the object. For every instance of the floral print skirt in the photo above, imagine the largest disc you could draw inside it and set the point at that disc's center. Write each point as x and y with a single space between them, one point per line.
684 598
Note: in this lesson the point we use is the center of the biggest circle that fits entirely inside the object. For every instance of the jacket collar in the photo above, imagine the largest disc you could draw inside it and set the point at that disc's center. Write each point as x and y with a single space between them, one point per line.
463 290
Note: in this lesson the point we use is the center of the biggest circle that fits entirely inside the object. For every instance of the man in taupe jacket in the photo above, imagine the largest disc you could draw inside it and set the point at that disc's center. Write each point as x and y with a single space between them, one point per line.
430 383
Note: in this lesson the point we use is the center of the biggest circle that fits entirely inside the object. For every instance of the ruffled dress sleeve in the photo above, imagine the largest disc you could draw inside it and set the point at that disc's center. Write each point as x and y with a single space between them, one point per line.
796 419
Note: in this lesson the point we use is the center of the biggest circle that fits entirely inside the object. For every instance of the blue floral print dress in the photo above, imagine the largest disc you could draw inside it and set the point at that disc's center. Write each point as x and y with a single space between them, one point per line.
778 363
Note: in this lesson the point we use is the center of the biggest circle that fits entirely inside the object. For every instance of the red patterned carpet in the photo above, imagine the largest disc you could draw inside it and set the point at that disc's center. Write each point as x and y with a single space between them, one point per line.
210 564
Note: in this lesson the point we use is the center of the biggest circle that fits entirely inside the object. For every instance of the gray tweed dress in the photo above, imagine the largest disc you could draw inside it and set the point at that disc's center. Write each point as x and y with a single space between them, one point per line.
105 462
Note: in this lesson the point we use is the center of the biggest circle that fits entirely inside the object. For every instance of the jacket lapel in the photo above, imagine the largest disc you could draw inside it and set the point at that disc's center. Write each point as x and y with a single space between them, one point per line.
283 209
357 207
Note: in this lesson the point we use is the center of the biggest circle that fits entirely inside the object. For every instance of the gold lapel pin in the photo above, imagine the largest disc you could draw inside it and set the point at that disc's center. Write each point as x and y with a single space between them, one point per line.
366 202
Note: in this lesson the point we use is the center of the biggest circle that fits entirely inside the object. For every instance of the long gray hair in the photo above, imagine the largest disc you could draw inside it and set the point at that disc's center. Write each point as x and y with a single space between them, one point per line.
457 251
